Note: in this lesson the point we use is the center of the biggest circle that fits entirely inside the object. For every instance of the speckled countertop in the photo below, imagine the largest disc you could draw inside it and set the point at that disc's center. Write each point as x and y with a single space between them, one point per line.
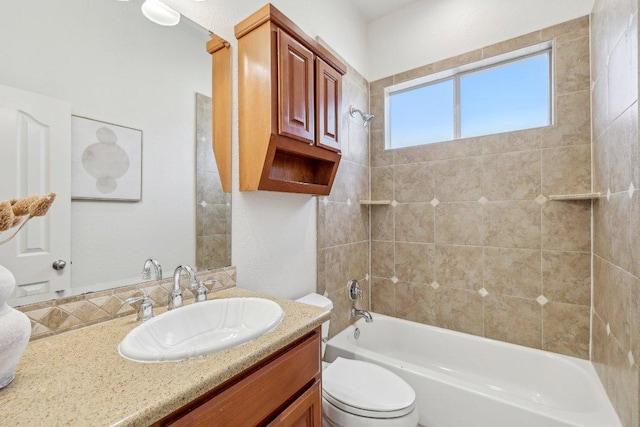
79 379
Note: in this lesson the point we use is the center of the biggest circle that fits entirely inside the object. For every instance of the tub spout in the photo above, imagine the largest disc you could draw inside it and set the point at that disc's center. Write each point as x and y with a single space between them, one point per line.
362 313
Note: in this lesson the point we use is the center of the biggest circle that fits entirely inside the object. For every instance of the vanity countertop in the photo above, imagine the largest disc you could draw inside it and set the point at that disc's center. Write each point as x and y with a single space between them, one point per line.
79 379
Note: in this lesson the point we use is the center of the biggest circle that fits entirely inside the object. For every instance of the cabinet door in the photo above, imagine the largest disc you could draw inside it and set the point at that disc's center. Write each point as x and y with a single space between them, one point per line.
328 105
295 90
306 411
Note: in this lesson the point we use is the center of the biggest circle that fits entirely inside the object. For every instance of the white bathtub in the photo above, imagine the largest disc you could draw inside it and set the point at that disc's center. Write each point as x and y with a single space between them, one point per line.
466 381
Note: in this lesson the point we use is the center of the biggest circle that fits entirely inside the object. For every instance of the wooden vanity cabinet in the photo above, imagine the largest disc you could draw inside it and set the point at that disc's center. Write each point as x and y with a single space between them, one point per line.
282 390
290 95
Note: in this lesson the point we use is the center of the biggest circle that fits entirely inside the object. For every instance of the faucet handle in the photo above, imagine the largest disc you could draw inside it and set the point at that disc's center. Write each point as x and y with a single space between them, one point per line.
201 292
354 290
145 310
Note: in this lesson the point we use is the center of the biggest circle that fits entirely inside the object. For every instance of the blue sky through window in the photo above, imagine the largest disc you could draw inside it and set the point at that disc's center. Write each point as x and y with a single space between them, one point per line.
502 98
422 115
508 97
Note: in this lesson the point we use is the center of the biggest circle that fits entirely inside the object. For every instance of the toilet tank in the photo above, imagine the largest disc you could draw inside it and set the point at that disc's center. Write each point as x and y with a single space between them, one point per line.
322 302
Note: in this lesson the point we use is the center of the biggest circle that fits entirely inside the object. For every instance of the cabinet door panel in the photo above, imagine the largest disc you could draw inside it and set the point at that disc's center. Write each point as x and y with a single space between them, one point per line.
328 105
306 411
255 398
295 89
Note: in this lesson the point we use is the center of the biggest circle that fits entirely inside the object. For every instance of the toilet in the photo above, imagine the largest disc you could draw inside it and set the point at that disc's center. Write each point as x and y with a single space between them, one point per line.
361 394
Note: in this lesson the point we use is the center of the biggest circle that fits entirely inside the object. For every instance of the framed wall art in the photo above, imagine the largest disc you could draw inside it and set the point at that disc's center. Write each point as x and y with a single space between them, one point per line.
106 161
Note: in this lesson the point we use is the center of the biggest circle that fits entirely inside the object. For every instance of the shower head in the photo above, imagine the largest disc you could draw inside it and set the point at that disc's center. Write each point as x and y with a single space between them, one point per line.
366 118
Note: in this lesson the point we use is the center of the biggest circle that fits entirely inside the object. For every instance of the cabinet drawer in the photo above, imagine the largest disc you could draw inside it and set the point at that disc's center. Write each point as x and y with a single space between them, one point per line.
306 411
254 399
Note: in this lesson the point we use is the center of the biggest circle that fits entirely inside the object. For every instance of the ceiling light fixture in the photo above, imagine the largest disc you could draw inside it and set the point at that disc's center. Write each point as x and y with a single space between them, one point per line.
160 13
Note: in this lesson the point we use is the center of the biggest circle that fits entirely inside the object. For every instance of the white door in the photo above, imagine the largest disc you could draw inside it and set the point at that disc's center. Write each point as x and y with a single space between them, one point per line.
35 157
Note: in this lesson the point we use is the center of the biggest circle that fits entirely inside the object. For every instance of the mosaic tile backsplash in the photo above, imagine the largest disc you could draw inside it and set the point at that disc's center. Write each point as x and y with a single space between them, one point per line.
66 314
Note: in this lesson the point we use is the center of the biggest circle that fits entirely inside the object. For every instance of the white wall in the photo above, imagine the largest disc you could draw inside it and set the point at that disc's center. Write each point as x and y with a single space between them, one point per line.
114 65
274 234
431 30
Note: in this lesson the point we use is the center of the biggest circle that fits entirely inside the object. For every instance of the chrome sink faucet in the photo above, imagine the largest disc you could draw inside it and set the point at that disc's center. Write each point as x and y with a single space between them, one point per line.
146 270
175 297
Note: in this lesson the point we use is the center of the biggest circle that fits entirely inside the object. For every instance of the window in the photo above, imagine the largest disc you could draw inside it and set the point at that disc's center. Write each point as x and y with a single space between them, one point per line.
502 94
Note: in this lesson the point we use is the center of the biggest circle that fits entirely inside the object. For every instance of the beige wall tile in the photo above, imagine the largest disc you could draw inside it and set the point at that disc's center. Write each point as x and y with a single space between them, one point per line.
380 156
601 174
377 87
510 271
382 259
335 267
341 312
382 222
415 302
358 223
458 180
456 61
567 31
382 183
572 71
566 329
601 243
383 294
566 226
413 74
459 223
634 327
415 262
459 310
511 44
376 107
414 183
414 222
514 320
459 266
566 170
622 151
634 235
622 74
511 176
321 280
512 224
600 103
599 348
336 228
566 277
573 121
524 140
622 384
617 219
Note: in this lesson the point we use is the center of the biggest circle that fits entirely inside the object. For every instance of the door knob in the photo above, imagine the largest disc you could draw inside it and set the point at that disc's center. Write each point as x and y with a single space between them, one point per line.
59 265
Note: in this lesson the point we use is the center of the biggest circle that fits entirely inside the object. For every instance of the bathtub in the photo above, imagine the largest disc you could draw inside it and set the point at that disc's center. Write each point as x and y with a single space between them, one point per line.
462 380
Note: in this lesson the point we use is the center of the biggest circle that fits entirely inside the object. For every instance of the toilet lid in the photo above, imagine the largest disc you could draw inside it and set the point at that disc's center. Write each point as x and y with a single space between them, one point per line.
362 388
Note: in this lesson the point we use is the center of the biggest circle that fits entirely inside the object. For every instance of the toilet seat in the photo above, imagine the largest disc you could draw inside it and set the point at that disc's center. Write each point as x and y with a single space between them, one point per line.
367 390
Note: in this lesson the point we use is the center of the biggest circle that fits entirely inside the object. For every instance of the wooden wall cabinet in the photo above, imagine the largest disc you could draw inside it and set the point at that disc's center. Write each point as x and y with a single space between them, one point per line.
290 94
283 390
221 107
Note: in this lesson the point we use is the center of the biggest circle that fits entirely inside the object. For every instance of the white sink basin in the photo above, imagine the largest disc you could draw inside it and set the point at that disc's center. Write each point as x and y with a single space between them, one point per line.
200 329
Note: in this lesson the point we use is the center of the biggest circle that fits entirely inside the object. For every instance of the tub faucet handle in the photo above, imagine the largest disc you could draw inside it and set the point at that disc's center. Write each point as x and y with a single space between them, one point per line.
354 290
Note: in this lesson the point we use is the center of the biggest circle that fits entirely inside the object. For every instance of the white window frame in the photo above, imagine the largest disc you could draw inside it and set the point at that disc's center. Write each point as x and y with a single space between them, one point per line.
455 74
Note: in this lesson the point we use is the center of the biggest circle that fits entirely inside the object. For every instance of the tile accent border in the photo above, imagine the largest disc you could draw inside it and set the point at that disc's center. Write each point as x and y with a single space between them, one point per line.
67 314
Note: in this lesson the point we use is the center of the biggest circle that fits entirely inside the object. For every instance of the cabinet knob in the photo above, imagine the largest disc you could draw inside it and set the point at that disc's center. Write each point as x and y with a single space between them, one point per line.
59 265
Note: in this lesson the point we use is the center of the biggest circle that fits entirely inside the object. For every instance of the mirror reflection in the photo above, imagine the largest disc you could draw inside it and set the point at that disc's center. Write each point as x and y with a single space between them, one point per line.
111 65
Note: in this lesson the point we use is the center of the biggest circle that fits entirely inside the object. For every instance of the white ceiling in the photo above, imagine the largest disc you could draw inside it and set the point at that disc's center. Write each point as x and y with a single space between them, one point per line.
374 9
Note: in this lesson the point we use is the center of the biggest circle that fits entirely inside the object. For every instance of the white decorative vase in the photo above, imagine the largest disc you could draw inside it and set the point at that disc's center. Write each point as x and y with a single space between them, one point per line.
15 330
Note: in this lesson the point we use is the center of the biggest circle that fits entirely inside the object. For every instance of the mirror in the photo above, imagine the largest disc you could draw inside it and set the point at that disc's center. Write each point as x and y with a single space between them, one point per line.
112 65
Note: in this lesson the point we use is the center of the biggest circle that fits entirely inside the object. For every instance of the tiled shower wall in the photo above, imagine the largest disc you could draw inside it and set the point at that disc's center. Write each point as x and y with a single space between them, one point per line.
471 242
213 206
616 246
343 224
